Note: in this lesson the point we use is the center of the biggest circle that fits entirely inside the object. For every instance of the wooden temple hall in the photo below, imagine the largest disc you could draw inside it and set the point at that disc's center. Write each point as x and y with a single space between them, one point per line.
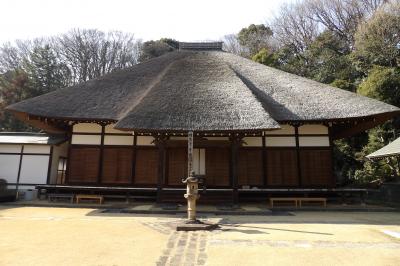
256 129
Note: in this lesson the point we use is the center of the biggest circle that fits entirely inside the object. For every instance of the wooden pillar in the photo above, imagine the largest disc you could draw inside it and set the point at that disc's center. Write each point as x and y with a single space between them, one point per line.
100 175
264 162
296 132
133 158
235 144
67 171
160 143
49 166
19 172
333 176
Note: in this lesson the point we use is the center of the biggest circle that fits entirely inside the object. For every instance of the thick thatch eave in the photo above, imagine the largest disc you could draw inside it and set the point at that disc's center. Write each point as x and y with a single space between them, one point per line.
203 91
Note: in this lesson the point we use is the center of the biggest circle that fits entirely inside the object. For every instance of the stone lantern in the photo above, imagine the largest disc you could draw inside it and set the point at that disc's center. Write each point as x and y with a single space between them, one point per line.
192 195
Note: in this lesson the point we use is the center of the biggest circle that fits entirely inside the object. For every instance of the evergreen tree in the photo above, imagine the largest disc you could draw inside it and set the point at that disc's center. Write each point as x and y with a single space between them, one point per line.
382 83
151 49
45 72
255 38
14 87
377 42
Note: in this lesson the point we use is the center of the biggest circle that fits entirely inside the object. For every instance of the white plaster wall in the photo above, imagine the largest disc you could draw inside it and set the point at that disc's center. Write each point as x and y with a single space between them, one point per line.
252 141
145 141
42 149
118 140
87 128
280 141
9 165
313 129
86 139
23 188
34 169
11 148
285 130
314 141
199 161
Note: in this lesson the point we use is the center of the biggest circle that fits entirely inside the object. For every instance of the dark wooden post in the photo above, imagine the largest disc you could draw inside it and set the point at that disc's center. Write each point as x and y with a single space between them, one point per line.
160 143
134 151
236 140
333 176
19 172
264 162
49 165
69 134
101 154
299 176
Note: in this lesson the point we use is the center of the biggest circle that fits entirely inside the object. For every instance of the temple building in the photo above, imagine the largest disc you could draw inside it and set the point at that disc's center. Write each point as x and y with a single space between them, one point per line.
255 127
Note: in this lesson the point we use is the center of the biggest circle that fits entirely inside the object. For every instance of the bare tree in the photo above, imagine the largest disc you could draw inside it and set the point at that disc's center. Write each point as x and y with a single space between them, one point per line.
342 16
293 27
33 67
12 55
92 53
87 53
231 44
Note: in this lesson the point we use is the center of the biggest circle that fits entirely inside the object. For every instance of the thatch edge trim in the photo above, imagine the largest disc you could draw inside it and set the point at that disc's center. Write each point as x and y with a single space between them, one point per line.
387 115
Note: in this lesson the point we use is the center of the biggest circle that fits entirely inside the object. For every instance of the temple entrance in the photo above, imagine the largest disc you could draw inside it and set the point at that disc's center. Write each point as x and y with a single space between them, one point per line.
177 164
213 163
217 167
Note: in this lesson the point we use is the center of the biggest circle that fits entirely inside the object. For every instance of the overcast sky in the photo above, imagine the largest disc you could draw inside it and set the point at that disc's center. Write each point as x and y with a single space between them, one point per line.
183 20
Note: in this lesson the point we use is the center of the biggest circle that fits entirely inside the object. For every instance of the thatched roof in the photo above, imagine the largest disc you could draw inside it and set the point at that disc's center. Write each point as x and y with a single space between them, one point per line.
202 91
390 150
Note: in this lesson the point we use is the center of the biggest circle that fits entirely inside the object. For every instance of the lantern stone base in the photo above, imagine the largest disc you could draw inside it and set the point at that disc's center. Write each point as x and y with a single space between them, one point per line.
196 226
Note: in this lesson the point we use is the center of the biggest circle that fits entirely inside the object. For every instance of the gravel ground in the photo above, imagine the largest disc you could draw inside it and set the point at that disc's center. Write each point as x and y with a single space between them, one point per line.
79 236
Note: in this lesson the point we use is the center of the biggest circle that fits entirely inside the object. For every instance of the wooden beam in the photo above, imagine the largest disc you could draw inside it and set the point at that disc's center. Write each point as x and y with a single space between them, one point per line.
47 125
197 143
357 126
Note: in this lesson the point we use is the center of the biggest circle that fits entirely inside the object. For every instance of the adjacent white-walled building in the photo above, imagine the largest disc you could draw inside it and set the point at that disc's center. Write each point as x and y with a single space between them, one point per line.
29 159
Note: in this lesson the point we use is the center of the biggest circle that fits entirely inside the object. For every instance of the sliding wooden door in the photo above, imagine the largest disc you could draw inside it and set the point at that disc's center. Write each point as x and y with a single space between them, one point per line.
117 165
146 166
282 167
217 167
83 167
